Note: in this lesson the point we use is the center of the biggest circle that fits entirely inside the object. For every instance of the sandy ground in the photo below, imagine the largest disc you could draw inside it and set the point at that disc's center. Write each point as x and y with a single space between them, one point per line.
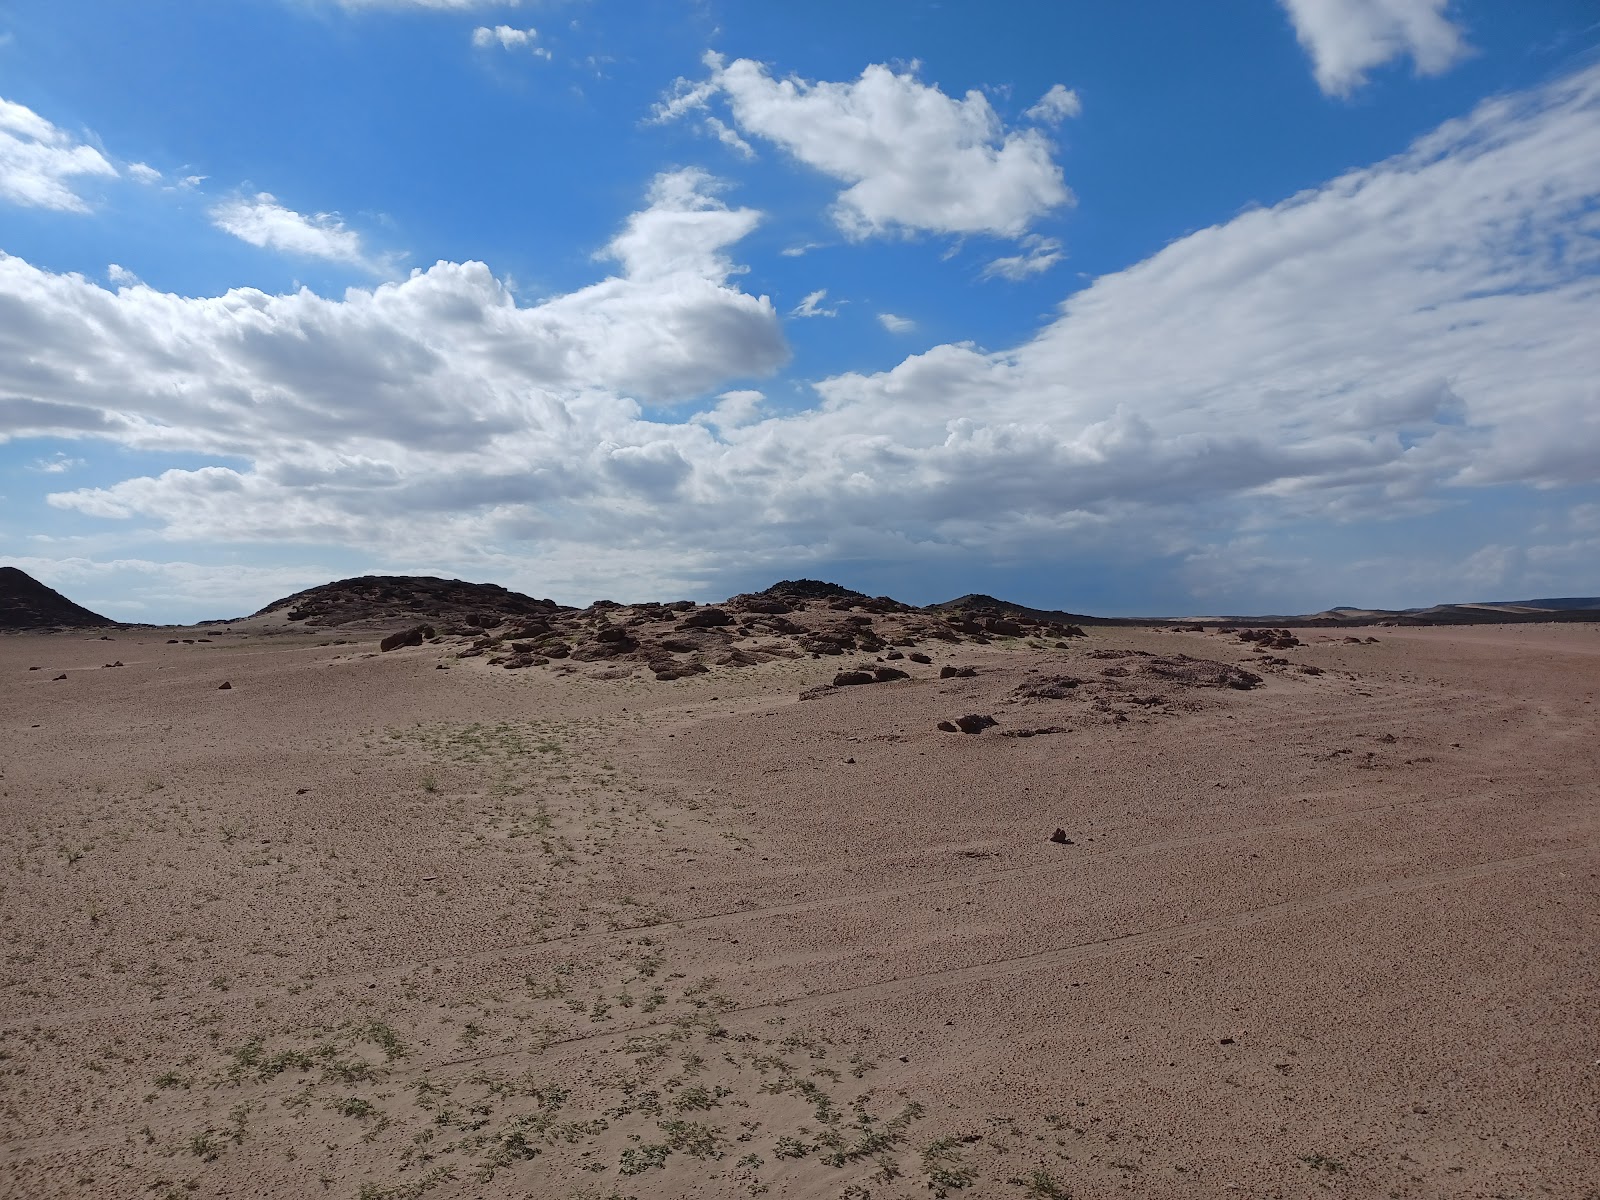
361 927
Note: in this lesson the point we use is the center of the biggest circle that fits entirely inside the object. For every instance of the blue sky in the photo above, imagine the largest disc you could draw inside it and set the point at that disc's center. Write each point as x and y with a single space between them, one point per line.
1145 308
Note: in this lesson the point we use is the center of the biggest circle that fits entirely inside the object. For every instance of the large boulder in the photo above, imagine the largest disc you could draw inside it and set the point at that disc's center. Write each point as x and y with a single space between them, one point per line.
414 636
706 618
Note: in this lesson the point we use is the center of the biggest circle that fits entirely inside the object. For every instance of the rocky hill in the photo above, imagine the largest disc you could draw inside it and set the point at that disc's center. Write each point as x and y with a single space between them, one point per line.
380 600
791 619
25 603
978 602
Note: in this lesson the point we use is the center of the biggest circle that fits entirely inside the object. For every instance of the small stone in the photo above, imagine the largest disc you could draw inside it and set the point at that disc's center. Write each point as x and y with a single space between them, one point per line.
1060 838
58 679
919 657
224 686
947 726
975 723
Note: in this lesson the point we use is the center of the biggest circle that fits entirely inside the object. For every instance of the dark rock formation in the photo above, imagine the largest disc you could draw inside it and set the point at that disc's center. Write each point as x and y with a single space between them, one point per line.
25 603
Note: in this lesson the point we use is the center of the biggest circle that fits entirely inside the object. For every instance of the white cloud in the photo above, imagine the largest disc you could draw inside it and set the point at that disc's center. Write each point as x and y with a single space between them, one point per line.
896 324
1348 38
143 589
144 172
262 221
509 37
1379 345
915 159
811 305
120 275
39 163
1038 255
57 464
1055 106
721 131
733 409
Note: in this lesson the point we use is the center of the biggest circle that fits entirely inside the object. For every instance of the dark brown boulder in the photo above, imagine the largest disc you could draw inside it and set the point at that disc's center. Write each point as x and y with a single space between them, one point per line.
668 671
406 637
949 672
975 723
920 658
886 674
706 618
852 678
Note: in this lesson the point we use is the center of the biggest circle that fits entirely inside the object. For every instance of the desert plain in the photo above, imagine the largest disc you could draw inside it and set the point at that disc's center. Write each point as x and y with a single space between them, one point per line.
357 926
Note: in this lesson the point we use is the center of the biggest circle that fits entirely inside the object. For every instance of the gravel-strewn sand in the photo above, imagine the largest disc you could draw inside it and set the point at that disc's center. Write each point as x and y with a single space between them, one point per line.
357 926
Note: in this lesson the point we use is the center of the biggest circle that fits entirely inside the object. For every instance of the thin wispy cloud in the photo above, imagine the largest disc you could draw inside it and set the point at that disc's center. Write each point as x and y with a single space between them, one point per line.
262 221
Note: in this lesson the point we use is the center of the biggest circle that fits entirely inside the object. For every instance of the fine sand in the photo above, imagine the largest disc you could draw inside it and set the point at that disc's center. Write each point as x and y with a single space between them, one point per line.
360 927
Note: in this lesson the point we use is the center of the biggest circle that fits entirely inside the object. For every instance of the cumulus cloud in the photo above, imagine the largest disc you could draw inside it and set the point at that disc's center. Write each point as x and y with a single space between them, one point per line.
915 159
361 391
1038 255
811 305
262 221
1056 105
1377 345
1348 38
896 324
508 37
144 172
39 163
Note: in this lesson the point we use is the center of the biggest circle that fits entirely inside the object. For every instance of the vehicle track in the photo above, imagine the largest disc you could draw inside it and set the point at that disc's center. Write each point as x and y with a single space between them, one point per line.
887 989
737 916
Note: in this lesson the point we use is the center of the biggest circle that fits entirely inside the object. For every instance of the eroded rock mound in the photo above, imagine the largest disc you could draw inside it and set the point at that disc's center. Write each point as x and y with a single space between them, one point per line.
377 599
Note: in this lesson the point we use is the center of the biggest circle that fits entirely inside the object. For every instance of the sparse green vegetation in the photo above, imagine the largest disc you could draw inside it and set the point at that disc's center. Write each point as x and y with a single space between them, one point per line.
1318 1161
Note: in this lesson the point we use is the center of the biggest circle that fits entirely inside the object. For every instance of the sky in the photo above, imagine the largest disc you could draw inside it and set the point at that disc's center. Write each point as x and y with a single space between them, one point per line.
1156 308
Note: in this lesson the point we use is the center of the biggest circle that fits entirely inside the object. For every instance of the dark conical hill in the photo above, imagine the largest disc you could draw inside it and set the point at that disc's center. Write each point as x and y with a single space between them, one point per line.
25 603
